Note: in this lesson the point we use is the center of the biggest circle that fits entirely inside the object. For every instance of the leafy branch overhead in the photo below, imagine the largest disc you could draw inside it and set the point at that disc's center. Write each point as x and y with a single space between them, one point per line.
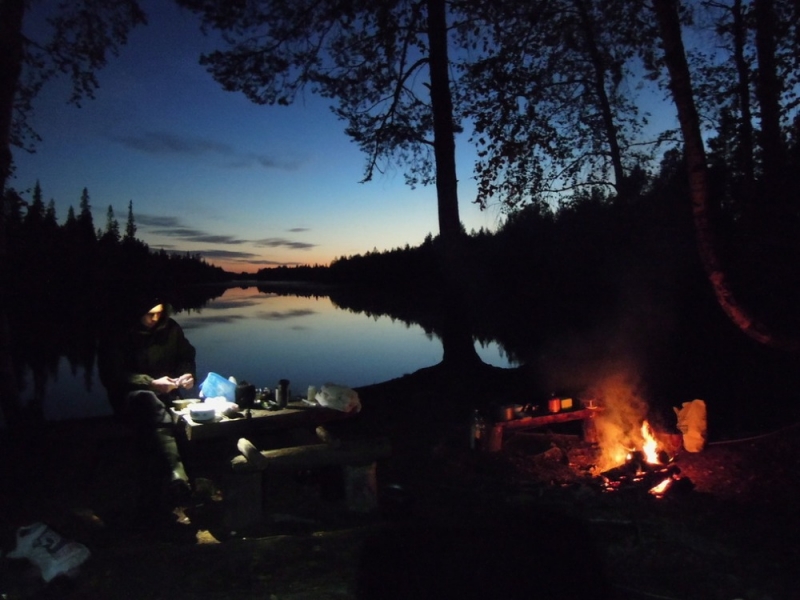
76 40
371 58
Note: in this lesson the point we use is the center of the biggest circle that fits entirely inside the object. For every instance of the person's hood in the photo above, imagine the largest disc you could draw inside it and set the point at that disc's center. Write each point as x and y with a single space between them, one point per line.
141 303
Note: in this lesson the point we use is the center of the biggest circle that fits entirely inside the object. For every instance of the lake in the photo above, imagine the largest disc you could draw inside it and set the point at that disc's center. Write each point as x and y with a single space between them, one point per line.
261 337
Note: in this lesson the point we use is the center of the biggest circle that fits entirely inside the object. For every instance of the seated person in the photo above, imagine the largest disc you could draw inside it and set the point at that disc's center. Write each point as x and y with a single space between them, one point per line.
144 365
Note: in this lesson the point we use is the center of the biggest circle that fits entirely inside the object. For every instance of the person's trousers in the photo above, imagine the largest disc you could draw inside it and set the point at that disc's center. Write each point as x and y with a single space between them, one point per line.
157 455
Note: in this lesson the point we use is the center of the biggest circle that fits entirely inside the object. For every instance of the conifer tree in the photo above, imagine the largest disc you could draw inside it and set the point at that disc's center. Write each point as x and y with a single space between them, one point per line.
85 220
130 225
50 218
111 233
35 215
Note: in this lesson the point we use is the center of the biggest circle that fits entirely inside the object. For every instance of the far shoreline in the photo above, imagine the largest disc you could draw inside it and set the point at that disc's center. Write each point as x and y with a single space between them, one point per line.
282 285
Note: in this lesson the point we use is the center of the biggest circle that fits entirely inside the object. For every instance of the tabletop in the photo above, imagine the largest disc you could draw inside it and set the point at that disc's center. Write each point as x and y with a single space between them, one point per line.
295 415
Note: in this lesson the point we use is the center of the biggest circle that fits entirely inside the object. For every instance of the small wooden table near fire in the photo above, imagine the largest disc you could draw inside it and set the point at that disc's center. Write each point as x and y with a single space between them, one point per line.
559 410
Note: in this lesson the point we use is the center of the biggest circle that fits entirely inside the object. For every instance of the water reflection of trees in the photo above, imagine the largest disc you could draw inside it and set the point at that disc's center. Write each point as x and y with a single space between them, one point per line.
66 283
67 325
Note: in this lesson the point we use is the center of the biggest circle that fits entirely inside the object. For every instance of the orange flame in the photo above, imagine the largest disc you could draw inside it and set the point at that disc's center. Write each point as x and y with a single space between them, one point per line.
659 490
650 444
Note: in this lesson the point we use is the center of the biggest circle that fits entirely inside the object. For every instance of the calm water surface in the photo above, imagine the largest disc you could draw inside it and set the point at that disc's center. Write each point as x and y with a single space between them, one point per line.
261 338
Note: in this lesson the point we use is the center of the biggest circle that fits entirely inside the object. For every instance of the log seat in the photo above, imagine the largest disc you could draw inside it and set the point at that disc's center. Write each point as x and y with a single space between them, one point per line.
355 461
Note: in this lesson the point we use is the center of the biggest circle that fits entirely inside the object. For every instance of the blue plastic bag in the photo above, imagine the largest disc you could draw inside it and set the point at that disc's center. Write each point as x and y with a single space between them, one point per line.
216 385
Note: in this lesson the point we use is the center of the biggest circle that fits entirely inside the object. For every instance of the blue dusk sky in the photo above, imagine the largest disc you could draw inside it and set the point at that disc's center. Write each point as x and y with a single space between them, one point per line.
243 185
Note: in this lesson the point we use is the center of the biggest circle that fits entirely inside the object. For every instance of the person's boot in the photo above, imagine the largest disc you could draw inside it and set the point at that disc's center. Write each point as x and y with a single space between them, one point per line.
180 490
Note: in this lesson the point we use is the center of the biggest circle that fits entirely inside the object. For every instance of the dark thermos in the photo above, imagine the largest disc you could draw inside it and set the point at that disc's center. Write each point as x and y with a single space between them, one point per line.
282 393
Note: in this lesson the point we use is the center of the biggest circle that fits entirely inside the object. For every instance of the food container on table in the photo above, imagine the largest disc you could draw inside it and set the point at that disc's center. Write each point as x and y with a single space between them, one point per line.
181 403
202 412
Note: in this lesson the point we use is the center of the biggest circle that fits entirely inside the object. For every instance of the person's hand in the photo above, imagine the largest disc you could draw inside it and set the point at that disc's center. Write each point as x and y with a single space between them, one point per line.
164 385
186 381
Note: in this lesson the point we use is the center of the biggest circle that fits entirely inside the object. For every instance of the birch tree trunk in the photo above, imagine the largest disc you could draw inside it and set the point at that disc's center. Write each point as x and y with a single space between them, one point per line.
681 87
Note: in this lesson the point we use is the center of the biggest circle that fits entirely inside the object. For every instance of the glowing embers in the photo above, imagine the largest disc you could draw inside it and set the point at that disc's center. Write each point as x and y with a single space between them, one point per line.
649 468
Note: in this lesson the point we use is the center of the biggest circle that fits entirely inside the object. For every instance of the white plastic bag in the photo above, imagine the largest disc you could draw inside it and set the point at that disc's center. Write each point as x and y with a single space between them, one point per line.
49 551
692 424
339 397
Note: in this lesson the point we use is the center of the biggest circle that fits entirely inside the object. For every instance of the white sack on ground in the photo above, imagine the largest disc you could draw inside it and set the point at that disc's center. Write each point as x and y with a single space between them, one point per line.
692 424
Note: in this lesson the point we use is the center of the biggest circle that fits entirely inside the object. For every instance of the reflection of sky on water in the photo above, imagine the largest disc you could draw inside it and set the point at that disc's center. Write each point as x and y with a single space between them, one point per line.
261 338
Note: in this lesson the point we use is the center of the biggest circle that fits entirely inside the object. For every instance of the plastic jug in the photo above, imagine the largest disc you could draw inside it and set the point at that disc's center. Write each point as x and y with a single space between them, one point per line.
216 385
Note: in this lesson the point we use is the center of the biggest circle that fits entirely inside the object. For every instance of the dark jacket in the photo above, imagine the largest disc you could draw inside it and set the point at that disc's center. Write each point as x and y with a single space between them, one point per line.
133 359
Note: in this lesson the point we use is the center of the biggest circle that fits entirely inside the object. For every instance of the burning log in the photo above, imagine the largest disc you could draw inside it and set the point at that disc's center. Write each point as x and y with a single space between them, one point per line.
637 473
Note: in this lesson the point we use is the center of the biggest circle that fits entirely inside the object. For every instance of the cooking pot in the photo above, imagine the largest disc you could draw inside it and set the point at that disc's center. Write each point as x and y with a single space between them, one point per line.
245 394
508 412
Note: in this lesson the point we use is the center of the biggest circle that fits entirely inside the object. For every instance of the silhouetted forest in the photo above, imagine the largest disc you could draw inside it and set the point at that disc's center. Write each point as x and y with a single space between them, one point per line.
593 279
597 280
78 257
591 252
71 280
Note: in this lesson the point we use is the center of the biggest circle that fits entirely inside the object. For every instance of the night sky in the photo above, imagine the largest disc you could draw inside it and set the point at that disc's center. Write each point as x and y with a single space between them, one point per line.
245 186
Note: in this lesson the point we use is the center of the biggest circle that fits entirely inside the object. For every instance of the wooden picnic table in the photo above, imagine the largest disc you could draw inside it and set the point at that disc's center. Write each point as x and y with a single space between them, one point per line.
244 485
297 414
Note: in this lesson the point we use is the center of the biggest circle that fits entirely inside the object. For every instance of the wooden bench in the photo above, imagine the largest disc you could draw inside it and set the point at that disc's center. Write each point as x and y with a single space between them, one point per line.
356 459
587 415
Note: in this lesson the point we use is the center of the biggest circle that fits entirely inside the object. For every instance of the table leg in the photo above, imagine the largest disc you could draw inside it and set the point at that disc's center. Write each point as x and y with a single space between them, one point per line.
495 441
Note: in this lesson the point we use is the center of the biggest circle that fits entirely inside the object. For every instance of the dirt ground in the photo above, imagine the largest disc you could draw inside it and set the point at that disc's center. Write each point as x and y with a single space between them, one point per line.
529 521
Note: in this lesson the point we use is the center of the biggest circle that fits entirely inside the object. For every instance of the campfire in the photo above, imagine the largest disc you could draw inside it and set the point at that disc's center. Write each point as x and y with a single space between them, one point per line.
651 467
633 457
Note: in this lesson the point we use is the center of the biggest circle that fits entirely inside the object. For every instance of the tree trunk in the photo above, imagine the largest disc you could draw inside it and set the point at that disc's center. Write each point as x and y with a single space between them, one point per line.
681 87
457 343
11 56
600 70
768 89
444 145
746 143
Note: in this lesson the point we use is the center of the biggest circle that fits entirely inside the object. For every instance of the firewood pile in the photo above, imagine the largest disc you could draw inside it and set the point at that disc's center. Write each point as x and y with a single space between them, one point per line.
637 475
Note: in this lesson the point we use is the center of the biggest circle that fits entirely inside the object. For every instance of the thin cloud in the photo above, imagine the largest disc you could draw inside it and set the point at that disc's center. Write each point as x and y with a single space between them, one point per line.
271 163
171 227
156 221
265 262
225 254
161 143
194 235
164 143
283 243
215 239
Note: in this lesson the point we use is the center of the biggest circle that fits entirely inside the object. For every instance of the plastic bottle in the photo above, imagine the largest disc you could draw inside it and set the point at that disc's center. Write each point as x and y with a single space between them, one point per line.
477 438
